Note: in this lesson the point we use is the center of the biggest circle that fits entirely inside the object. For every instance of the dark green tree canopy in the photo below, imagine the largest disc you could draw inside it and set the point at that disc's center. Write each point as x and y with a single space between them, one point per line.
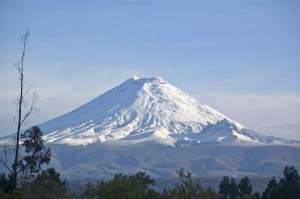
123 186
271 190
228 188
289 185
47 185
37 154
224 187
245 187
234 191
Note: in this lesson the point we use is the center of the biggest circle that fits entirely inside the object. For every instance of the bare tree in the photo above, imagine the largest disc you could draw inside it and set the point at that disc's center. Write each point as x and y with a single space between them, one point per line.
4 160
22 104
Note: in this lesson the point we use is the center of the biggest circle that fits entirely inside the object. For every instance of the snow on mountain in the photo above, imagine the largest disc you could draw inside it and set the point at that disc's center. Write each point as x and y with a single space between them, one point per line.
147 109
140 126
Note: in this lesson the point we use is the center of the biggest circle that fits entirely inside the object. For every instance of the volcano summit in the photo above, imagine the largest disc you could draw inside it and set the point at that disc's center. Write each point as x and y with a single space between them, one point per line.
147 110
150 125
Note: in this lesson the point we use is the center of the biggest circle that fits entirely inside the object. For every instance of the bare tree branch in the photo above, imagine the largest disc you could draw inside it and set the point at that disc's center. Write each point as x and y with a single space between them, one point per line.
32 107
4 162
21 116
21 102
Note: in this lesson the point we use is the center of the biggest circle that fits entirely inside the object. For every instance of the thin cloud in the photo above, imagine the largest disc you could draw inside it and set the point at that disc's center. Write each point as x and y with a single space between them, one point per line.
260 112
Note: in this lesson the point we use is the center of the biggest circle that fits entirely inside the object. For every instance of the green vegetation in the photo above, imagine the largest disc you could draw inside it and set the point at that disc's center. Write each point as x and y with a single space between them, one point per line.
27 180
48 184
228 189
29 168
288 186
35 183
123 186
188 188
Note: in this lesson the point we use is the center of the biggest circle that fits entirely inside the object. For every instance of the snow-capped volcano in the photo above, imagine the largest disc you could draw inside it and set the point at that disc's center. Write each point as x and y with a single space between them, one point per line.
131 128
146 110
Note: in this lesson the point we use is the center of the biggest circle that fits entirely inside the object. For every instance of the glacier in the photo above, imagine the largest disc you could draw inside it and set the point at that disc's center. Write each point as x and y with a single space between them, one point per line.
144 109
147 124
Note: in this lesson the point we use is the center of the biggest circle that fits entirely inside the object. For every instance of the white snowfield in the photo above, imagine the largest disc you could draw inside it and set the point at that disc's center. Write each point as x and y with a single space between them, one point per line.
145 110
146 124
148 110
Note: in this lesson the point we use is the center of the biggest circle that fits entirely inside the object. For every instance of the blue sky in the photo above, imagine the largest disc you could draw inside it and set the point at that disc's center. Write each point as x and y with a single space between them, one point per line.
240 57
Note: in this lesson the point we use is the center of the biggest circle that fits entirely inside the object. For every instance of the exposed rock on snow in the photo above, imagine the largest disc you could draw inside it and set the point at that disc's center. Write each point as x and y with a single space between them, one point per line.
142 124
147 109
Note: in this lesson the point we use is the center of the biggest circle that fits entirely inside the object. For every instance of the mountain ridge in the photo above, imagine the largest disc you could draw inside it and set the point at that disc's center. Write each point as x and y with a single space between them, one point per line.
148 108
147 124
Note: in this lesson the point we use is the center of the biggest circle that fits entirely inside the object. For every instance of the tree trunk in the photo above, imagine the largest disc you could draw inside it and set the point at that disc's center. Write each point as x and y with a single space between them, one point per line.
19 67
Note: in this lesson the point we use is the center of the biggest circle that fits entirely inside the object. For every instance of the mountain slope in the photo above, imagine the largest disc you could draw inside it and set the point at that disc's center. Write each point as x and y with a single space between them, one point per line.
147 109
142 124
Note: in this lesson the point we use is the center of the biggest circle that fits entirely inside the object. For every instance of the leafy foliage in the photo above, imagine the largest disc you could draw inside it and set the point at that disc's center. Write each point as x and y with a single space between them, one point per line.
271 190
37 155
34 147
123 186
234 191
224 187
5 183
16 194
189 188
47 185
27 168
256 195
245 187
228 189
288 186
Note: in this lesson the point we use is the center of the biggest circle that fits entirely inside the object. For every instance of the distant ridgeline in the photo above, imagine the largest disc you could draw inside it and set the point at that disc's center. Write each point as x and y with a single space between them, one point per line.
147 124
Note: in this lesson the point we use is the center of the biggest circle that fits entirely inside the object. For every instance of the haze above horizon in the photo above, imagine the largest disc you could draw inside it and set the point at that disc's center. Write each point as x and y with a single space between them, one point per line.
240 57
